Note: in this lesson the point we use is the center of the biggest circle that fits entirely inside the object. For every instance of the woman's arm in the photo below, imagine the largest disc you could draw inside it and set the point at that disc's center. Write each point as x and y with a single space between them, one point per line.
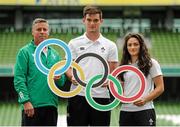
159 88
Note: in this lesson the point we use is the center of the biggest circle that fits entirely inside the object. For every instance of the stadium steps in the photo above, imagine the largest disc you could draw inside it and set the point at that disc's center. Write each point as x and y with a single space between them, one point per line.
165 48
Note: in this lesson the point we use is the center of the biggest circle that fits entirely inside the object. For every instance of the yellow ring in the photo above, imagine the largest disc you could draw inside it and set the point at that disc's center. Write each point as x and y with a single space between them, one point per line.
53 86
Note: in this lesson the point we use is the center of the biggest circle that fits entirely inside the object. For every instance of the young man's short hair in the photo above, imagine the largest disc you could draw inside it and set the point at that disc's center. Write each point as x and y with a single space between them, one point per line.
92 10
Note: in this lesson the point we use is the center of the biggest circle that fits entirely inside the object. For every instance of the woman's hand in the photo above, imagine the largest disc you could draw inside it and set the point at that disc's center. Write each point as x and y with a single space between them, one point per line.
140 102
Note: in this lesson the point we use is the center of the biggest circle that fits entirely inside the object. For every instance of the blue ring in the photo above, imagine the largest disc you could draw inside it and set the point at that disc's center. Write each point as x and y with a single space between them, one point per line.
40 47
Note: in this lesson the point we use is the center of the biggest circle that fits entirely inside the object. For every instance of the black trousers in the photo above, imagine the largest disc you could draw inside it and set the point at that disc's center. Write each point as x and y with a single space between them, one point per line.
80 113
43 116
139 118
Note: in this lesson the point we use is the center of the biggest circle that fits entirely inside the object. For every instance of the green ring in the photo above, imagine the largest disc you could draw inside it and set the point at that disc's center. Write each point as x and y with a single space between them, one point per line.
93 103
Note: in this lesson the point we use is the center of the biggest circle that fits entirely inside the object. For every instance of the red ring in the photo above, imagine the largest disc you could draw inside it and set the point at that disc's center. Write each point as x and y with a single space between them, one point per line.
121 69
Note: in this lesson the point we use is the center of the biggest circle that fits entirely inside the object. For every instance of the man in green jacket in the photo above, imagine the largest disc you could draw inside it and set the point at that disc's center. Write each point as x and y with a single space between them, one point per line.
39 103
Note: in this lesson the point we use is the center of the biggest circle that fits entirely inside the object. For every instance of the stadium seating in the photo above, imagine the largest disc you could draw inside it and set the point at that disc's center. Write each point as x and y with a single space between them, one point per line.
164 45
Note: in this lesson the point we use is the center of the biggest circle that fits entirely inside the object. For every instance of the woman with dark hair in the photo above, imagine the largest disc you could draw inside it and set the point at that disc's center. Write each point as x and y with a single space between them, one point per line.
141 112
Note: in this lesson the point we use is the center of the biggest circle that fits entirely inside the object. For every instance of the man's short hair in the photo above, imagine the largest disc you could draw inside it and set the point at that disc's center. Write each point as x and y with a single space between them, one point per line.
92 10
39 20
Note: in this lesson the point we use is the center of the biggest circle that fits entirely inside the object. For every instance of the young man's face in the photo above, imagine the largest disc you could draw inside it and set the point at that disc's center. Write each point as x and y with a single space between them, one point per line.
40 32
92 22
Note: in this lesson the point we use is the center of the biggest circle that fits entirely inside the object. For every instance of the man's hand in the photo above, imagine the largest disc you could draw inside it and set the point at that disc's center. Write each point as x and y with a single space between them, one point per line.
74 82
28 109
57 77
71 77
105 84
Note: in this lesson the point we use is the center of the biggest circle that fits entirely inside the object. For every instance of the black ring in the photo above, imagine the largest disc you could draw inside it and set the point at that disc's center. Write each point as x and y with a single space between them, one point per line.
106 69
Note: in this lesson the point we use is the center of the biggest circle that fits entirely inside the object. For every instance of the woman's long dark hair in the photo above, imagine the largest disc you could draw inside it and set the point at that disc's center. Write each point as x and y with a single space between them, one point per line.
144 60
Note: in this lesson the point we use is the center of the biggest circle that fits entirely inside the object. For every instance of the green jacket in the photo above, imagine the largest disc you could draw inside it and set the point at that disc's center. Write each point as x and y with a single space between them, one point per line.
30 84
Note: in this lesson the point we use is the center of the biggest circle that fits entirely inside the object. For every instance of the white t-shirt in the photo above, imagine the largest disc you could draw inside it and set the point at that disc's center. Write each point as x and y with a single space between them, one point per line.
132 85
91 65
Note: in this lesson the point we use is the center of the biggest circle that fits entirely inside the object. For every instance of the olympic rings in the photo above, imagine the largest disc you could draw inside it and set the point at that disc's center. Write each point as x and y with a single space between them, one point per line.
53 86
67 63
142 80
106 69
99 106
40 47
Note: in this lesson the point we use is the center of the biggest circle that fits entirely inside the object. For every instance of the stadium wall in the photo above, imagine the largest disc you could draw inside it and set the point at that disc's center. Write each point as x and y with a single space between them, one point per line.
7 91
